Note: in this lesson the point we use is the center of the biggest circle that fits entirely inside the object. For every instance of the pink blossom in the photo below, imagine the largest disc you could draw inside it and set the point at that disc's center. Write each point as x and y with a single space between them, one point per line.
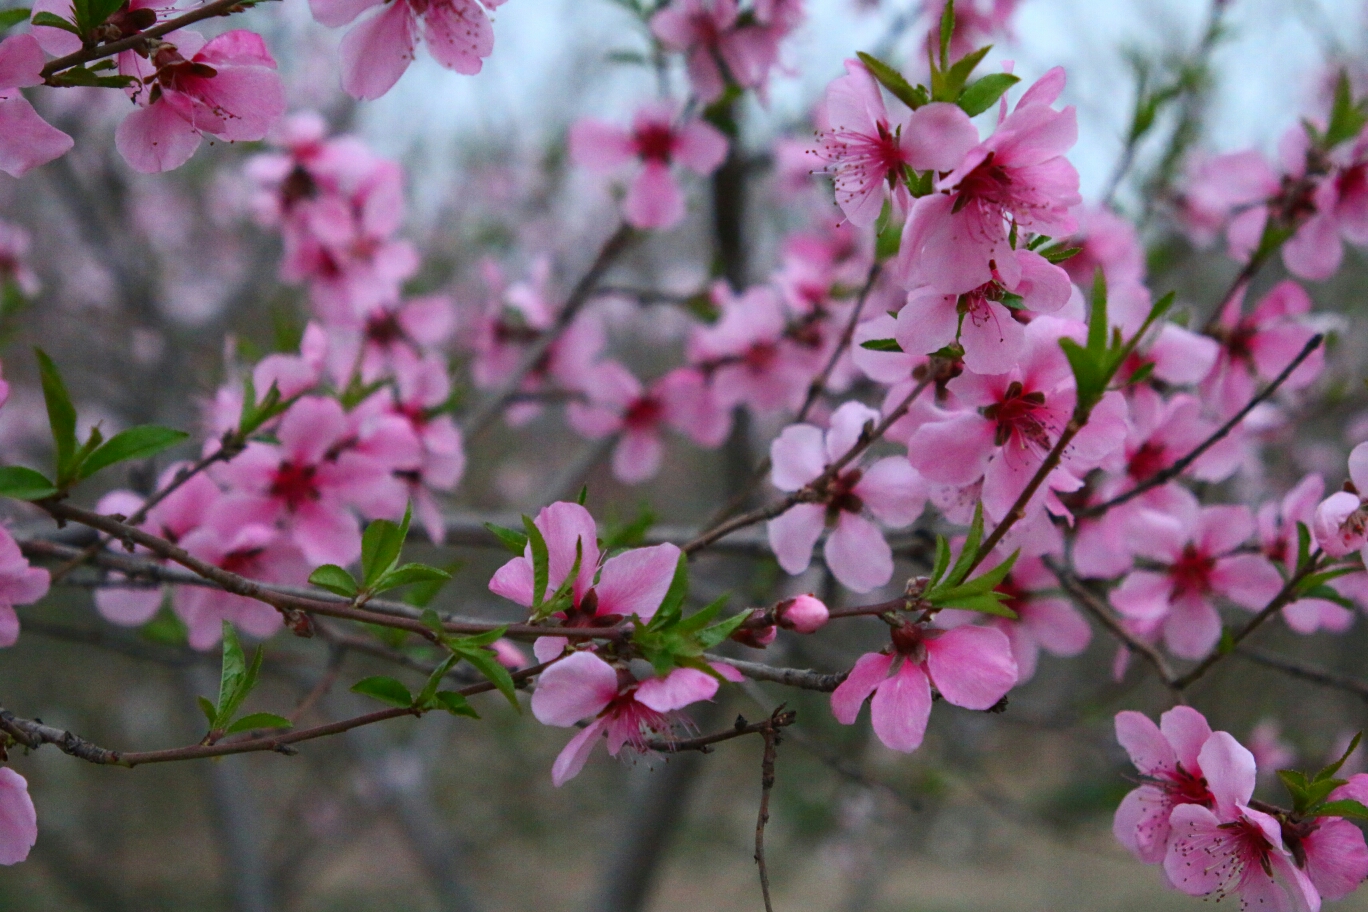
309 481
977 22
18 819
1229 848
1009 422
1168 758
1108 242
1217 186
232 541
979 321
629 584
718 49
957 239
1163 431
627 712
1277 522
970 667
377 51
619 404
868 156
749 355
14 253
1340 520
26 140
654 199
855 549
1258 346
1044 621
20 584
1200 550
226 87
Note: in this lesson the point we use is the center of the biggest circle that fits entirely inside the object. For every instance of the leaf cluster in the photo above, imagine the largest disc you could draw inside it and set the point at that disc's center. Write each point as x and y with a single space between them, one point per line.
381 571
236 681
947 586
1309 793
670 640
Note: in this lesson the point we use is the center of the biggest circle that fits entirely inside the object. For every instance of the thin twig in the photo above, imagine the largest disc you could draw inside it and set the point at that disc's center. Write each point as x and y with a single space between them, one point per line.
771 736
85 55
704 743
789 677
493 406
1305 672
1173 471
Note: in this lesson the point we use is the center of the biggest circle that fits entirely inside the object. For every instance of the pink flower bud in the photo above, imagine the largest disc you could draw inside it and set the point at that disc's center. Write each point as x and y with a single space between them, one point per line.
756 637
509 655
804 614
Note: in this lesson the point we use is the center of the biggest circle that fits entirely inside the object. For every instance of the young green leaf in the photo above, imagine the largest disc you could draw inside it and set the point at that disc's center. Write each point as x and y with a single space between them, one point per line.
408 574
541 562
61 413
24 484
233 676
435 680
673 604
513 540
942 562
583 495
983 93
882 345
954 78
51 20
969 551
386 690
135 443
709 637
258 720
380 546
1347 118
454 703
486 664
208 708
12 17
1345 807
947 31
894 81
334 579
421 594
1333 768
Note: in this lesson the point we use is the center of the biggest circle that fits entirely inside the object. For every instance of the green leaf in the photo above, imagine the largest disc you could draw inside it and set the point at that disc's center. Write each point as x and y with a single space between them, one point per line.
1347 119
970 549
541 562
672 606
408 574
631 534
1097 316
947 31
894 81
984 604
1318 580
486 664
984 583
478 639
80 76
1058 253
454 703
101 10
386 690
942 560
258 720
1335 767
882 345
237 678
334 579
54 21
583 495
24 484
1303 545
1346 807
513 540
207 707
61 413
12 17
135 443
435 680
420 595
709 637
953 81
380 546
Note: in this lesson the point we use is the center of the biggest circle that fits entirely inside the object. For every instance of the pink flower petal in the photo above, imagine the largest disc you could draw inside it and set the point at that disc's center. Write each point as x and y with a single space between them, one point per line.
794 533
635 582
18 819
971 666
572 757
578 686
846 700
901 707
676 690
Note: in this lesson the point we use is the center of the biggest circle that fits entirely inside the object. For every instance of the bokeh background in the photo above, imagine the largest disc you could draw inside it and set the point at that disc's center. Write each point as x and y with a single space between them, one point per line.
144 279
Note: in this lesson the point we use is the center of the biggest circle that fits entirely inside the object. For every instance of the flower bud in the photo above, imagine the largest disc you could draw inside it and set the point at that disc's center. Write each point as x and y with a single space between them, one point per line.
509 655
756 637
804 614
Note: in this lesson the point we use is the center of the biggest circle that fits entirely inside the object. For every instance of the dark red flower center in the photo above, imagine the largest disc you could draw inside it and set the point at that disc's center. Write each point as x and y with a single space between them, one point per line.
1150 459
1191 573
1020 414
654 142
294 484
644 413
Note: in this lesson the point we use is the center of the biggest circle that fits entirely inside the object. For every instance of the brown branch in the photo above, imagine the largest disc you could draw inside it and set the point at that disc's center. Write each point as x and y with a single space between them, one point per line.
1173 471
86 55
811 492
1306 672
228 448
493 406
704 743
294 606
771 736
789 677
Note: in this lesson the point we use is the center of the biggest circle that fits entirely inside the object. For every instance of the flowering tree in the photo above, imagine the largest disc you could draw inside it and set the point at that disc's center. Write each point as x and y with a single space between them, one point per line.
955 425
